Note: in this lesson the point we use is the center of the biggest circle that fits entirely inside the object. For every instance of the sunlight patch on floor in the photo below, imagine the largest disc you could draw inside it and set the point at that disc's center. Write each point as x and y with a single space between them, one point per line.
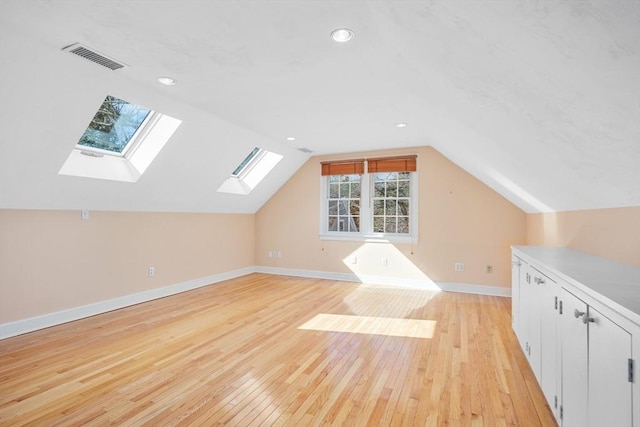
396 327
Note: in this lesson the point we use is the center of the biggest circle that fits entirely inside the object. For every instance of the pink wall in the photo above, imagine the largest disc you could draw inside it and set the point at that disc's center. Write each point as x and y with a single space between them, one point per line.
609 233
460 220
53 260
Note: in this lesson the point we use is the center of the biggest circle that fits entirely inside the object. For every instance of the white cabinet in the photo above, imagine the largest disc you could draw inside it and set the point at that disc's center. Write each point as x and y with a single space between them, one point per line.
521 302
576 317
516 267
524 308
596 353
533 306
534 311
574 362
526 313
548 293
610 388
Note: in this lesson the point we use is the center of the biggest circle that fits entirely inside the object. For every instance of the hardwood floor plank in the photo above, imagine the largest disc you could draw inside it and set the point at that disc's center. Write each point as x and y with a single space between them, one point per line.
234 354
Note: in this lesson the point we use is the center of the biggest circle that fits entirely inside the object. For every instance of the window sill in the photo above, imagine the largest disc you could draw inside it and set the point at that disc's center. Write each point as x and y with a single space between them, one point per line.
369 238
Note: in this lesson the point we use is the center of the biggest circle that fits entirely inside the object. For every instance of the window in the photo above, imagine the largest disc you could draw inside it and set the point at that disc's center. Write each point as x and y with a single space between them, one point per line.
114 127
246 161
248 174
391 202
344 203
120 142
370 199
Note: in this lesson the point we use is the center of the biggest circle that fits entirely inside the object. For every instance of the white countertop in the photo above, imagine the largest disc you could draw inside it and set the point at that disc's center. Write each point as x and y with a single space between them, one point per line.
618 283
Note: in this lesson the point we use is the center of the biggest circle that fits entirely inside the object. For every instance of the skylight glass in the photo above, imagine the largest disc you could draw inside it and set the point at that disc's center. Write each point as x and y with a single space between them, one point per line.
120 142
250 172
114 126
246 162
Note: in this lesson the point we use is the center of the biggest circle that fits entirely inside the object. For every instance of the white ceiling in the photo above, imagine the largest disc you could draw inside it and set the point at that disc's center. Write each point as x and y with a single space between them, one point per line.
540 100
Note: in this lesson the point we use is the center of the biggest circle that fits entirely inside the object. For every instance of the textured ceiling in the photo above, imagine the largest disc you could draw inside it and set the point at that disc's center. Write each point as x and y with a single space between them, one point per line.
539 100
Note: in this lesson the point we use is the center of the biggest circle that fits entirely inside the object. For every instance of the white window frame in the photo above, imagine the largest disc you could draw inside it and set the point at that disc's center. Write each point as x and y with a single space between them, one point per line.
251 174
128 166
338 234
366 233
136 139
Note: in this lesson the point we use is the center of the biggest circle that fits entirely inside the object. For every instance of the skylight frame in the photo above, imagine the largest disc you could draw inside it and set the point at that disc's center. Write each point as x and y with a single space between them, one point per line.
248 163
250 172
136 139
129 165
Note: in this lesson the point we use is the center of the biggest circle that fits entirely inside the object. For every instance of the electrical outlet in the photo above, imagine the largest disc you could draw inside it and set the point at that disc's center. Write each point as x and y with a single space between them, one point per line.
489 269
354 260
459 266
84 214
383 261
152 271
279 254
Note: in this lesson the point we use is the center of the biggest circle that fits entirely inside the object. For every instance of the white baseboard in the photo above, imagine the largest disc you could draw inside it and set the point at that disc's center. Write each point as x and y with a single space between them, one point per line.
466 288
31 324
391 281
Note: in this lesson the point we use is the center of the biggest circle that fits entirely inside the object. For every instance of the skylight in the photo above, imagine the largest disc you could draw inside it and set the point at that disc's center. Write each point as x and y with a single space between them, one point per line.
114 126
120 142
246 162
248 174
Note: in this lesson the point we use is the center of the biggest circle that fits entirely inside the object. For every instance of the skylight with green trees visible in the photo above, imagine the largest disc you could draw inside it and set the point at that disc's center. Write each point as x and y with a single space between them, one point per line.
120 142
114 126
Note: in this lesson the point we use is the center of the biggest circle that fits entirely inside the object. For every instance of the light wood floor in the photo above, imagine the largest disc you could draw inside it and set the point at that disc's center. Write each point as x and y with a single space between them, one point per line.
233 354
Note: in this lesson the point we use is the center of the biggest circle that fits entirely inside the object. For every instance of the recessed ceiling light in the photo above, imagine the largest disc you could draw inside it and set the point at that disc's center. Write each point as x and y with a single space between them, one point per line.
342 35
401 125
168 81
291 138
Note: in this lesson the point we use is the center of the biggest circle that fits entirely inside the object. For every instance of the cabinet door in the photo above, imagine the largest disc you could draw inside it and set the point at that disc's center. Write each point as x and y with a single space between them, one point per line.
574 361
515 294
524 307
548 339
610 391
534 332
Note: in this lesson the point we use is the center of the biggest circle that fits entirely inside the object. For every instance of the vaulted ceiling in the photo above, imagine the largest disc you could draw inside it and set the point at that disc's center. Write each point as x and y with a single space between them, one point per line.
539 100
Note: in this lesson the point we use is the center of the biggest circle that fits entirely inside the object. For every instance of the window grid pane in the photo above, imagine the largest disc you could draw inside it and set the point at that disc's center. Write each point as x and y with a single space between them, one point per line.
391 202
343 206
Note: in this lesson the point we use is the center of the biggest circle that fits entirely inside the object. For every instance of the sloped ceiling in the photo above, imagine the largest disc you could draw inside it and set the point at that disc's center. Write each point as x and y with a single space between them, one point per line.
539 100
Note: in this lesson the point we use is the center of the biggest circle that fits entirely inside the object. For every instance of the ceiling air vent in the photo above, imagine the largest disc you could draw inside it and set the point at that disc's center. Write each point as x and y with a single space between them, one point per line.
92 55
305 150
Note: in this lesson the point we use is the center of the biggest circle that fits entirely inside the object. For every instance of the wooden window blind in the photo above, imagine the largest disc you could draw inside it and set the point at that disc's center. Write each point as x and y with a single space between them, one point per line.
392 164
343 167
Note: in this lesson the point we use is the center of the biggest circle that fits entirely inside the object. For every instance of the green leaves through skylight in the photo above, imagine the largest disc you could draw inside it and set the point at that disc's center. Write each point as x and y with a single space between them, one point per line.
120 142
114 126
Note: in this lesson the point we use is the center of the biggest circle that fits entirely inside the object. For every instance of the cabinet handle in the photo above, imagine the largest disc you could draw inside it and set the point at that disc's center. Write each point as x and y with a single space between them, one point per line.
577 313
587 319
